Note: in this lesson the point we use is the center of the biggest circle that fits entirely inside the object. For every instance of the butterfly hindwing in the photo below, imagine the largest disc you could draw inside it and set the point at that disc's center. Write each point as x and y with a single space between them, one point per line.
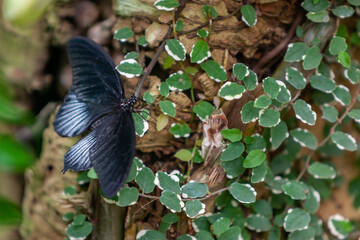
114 151
95 79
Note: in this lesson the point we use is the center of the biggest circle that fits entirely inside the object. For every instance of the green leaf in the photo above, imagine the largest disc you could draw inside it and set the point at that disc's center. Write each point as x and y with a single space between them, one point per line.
310 6
296 219
180 130
183 155
149 98
355 114
296 190
337 44
254 158
221 225
129 68
170 218
258 223
200 52
128 196
296 52
141 125
254 142
92 174
164 89
278 134
234 134
123 34
172 201
179 81
168 62
344 59
339 226
312 201
321 171
167 182
308 233
263 208
240 71
142 41
271 87
194 189
145 179
194 208
82 178
312 58
322 83
14 157
269 118
179 25
231 90
131 55
209 11
352 74
342 95
284 95
10 213
13 114
175 49
304 112
354 2
233 150
244 193
251 81
202 33
343 11
262 102
186 237
295 78
67 217
79 231
161 122
150 235
167 107
344 141
304 138
214 70
249 113
330 113
191 70
258 173
233 168
203 109
248 15
319 17
166 5
132 173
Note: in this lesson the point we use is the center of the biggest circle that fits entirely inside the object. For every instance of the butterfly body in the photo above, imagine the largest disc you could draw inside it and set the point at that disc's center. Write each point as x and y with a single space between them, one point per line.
96 102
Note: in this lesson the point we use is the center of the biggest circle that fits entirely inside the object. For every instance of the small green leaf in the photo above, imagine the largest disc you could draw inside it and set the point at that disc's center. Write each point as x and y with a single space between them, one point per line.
164 89
92 174
342 95
149 98
150 235
170 218
191 70
67 217
209 11
354 2
304 138
244 193
343 11
278 134
339 226
263 207
319 17
194 189
355 114
194 208
214 70
175 49
131 55
221 225
240 71
231 90
166 5
304 112
249 113
352 74
322 83
203 109
161 122
311 6
312 202
167 182
296 219
141 125
132 172
312 58
295 78
284 95
10 213
202 33
123 34
269 118
321 171
145 179
296 190
258 223
129 68
337 44
233 168
172 201
180 130
128 196
344 59
168 62
251 81
233 150
258 173
167 107
179 25
248 15
234 134
296 52
271 87
78 231
262 102
344 141
254 142
330 113
179 81
200 52
142 41
254 158
183 155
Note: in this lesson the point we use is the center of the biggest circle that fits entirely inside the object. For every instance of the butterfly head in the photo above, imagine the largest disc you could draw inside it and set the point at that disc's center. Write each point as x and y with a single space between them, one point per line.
128 104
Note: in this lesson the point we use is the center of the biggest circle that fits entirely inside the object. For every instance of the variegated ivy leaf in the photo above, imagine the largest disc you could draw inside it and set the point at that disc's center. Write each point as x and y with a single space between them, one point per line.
278 134
254 159
255 141
123 34
296 219
127 196
295 78
354 2
322 83
244 193
342 95
269 118
221 225
214 70
129 68
200 52
319 17
131 55
295 189
202 33
304 112
312 58
240 71
355 114
284 95
339 226
179 81
166 5
321 171
179 25
344 59
194 189
251 81
233 151
337 44
249 113
344 141
233 168
145 179
330 113
296 52
142 41
234 134
203 109
271 87
180 130
175 49
167 182
167 107
343 11
194 208
312 202
150 234
262 102
304 138
141 125
149 98
164 89
231 90
209 11
248 15
258 173
172 201
315 6
352 74
258 223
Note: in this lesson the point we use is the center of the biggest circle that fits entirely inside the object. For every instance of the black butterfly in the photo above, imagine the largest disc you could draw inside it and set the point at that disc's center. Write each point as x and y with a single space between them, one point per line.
97 102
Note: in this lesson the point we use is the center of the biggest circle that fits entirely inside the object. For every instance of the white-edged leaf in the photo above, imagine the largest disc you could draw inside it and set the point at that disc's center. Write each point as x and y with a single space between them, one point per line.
304 112
127 196
141 125
312 202
203 109
233 151
352 74
337 44
322 83
131 55
150 235
202 33
167 182
278 134
200 52
258 173
296 52
249 113
129 68
269 118
343 11
312 58
194 208
167 107
172 201
175 49
284 95
258 223
330 113
271 87
248 15
244 193
295 78
231 90
179 81
321 171
342 95
251 81
123 34
344 141
214 70
262 102
180 130
355 114
145 179
166 5
240 71
296 219
304 138
194 189
296 190
339 226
